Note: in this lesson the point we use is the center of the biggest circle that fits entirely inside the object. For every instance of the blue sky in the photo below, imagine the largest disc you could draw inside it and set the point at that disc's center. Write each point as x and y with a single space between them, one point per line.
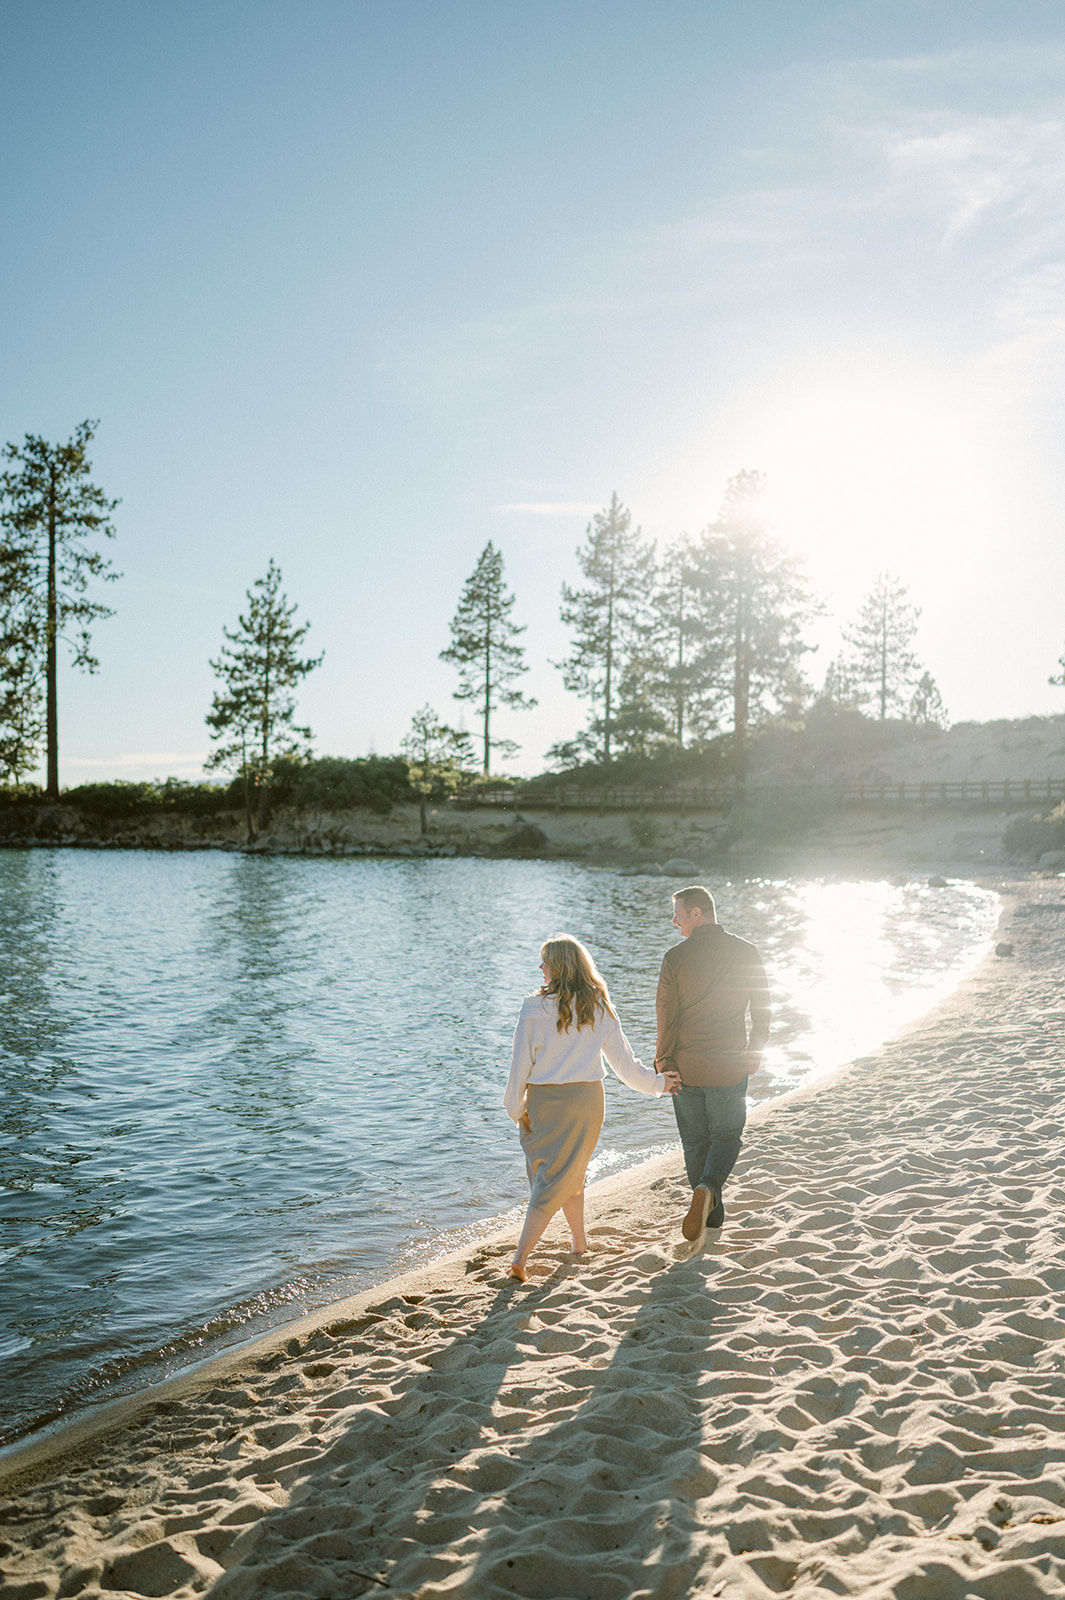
361 286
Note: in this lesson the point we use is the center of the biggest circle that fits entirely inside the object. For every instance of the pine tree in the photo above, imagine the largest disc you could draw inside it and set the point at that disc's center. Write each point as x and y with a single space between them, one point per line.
51 512
660 701
839 688
483 649
606 615
689 659
755 602
926 706
252 715
438 758
879 662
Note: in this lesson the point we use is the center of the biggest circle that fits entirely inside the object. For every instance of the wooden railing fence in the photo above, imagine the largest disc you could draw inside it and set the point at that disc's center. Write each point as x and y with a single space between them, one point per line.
1015 792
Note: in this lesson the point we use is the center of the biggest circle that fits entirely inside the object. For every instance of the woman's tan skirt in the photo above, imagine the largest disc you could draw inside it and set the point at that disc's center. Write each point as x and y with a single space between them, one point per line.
566 1119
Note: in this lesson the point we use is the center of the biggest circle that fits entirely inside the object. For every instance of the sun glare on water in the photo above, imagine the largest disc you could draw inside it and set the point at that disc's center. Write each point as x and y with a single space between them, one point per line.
873 957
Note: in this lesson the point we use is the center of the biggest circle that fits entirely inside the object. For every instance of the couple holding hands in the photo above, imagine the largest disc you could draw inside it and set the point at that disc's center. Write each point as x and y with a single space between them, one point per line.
709 984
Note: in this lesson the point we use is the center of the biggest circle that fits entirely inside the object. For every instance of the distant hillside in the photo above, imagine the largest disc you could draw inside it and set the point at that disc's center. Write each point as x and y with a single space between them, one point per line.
852 749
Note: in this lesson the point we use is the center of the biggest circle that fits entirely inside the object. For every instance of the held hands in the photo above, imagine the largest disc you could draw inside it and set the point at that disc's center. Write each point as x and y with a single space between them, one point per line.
672 1081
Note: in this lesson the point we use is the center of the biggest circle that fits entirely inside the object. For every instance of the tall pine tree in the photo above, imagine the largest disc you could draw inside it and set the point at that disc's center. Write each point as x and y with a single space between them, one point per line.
686 653
880 665
483 647
252 717
755 603
51 514
606 616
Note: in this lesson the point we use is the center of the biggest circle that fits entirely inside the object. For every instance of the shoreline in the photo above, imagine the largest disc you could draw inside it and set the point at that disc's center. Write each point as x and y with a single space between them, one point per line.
115 1386
69 1436
954 839
859 1386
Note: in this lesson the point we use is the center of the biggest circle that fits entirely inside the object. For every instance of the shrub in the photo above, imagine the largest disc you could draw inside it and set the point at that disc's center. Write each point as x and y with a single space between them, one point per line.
124 799
335 783
1029 837
20 794
704 763
778 815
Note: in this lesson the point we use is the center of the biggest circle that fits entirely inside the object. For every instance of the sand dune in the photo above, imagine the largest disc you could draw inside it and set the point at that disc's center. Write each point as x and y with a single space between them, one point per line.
857 1389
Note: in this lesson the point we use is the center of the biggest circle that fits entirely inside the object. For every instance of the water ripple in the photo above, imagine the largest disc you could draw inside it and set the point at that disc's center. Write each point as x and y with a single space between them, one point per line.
234 1088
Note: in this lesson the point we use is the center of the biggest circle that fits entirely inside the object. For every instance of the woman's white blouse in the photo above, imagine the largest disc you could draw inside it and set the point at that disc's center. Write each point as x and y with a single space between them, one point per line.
544 1055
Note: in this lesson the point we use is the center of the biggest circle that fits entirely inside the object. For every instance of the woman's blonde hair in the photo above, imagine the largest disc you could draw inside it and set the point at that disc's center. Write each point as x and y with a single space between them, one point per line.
573 976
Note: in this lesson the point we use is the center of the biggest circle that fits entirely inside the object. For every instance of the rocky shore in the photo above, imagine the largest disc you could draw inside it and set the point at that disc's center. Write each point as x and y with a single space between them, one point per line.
953 841
354 832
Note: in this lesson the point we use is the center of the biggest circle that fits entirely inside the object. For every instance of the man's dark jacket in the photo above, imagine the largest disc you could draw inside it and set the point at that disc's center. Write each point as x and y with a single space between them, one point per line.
707 983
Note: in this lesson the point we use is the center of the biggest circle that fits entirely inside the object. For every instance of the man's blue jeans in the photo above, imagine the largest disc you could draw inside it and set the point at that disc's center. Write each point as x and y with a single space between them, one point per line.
711 1128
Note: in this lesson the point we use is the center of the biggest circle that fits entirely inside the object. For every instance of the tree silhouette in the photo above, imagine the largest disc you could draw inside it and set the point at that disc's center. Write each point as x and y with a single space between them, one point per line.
484 650
51 513
619 568
879 662
755 602
926 706
252 715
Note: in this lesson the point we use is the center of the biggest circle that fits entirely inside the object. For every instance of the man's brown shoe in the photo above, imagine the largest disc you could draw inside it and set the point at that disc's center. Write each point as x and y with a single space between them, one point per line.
704 1199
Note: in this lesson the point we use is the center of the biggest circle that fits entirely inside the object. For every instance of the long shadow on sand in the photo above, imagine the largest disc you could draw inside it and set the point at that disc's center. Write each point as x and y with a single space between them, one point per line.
535 1455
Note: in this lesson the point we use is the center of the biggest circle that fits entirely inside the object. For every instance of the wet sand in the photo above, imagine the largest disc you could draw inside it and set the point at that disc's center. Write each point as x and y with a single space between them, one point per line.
857 1388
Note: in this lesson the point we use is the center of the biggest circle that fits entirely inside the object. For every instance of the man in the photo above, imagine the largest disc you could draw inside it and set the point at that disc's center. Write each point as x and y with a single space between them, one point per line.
707 986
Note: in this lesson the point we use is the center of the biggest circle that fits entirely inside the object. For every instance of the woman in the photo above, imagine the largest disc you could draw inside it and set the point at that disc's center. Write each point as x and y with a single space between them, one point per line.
555 1092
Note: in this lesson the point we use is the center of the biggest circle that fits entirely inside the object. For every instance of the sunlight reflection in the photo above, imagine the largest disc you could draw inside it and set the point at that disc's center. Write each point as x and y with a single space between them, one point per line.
855 980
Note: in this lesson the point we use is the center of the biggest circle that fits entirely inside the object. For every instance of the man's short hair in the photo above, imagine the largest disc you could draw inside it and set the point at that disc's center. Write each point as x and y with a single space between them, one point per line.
694 896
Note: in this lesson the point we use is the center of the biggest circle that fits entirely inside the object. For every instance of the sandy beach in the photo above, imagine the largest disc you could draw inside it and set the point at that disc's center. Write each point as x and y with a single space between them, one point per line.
857 1388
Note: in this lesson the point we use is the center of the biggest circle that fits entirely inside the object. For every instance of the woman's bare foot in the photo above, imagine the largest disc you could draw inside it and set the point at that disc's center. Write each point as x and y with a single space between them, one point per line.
517 1271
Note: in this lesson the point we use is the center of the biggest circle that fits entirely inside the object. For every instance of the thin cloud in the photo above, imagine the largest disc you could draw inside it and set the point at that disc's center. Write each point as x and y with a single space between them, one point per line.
169 759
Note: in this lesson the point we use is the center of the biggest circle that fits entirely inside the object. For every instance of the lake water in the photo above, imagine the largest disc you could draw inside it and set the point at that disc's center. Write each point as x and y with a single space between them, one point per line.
235 1088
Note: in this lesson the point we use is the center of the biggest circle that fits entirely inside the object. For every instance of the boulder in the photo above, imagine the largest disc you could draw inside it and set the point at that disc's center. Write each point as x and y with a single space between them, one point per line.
1051 858
528 839
681 867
